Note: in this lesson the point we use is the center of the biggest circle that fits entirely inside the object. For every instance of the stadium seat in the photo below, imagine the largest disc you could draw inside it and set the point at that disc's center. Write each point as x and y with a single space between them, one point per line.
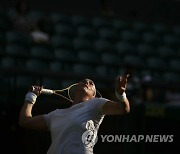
86 32
82 44
60 42
176 31
36 65
107 34
129 36
166 52
83 69
103 46
124 48
101 70
51 83
156 63
24 82
4 25
17 50
174 64
159 28
145 50
80 20
110 58
99 22
151 38
18 37
134 61
170 40
87 56
64 55
55 66
2 39
139 26
60 18
41 52
35 15
7 62
171 77
65 30
119 25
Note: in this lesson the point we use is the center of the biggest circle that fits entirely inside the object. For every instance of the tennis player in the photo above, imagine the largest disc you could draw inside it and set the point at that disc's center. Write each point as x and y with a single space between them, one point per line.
74 130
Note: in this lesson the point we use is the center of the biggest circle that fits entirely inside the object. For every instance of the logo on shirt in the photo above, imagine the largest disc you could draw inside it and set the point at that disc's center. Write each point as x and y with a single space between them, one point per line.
89 137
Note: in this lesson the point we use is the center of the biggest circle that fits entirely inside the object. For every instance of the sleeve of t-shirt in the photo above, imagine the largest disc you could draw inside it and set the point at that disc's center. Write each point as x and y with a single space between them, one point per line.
48 117
98 103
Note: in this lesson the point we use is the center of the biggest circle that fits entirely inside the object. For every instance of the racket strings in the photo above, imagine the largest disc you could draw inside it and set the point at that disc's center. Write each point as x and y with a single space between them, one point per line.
57 92
62 90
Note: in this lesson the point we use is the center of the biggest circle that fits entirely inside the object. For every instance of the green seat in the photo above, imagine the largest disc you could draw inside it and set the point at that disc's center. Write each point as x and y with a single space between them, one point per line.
2 39
83 69
50 83
171 40
151 38
36 65
110 58
145 50
107 34
17 50
64 55
80 20
140 27
18 37
86 32
65 30
60 42
87 56
166 52
129 36
41 52
55 66
60 18
171 77
176 31
119 25
124 48
106 71
35 15
25 82
99 22
7 62
159 28
156 63
174 64
4 25
103 46
101 70
134 61
82 44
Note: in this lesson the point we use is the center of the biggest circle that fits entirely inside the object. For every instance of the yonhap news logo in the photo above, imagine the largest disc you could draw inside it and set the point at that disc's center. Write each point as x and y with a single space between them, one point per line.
137 138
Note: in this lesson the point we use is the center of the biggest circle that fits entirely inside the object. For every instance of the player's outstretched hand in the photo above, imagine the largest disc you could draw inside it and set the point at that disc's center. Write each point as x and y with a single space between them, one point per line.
121 83
36 90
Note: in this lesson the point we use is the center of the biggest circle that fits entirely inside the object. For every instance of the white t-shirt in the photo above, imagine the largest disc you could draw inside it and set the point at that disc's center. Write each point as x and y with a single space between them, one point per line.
74 130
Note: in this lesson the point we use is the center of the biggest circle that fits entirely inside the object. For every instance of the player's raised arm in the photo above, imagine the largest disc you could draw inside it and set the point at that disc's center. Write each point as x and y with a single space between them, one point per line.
26 120
121 106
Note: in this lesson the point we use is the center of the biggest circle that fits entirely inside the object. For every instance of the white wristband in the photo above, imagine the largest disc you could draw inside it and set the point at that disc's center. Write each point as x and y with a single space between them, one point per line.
121 97
31 97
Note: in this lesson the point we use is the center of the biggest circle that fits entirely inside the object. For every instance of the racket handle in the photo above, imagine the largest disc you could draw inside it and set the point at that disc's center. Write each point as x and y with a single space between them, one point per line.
47 91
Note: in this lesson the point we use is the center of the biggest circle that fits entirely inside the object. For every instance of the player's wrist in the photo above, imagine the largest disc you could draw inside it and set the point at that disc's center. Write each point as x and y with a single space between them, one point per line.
121 97
31 97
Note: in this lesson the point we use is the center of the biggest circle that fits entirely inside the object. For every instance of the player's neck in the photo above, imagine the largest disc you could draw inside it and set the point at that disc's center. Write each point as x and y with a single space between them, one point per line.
80 100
